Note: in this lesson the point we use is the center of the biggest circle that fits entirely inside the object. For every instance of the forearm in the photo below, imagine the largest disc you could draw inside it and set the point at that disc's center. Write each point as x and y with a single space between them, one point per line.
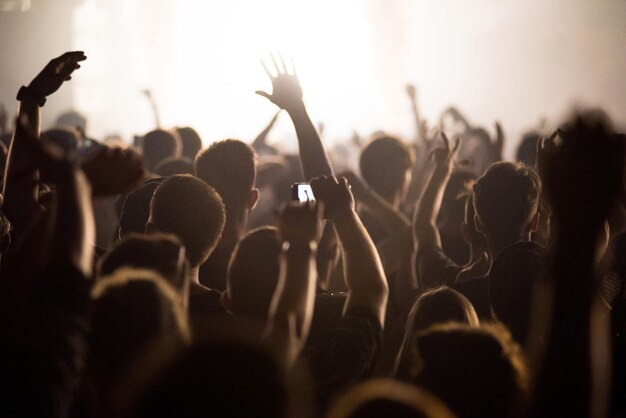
391 219
259 141
292 306
313 157
364 273
427 209
74 230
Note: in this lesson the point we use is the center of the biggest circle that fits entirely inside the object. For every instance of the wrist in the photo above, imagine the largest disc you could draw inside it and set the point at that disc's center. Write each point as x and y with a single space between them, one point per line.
341 214
28 94
296 108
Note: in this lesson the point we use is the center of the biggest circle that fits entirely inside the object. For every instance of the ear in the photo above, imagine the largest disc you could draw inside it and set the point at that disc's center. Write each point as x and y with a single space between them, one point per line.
534 222
254 198
227 302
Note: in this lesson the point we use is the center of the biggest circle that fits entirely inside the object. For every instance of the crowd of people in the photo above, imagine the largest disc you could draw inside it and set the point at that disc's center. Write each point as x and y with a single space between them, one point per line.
431 279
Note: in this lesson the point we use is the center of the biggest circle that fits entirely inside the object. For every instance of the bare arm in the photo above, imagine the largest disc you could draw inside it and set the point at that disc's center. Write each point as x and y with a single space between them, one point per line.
364 275
287 94
21 175
427 210
259 142
291 310
390 218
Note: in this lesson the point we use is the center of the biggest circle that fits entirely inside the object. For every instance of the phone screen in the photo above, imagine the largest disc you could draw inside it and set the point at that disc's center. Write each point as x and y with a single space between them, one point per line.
302 192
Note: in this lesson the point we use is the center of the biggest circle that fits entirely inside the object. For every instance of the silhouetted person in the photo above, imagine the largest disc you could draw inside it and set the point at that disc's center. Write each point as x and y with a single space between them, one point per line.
159 145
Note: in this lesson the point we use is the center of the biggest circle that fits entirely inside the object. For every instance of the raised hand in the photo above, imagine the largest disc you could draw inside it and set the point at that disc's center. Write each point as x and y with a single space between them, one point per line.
286 89
113 171
55 73
411 91
581 167
443 157
335 194
497 145
300 222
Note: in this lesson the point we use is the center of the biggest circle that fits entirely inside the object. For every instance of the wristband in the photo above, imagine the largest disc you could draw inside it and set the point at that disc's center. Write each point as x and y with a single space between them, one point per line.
26 93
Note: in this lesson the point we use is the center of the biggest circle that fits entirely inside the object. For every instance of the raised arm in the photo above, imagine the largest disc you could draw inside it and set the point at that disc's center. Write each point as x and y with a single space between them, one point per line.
582 179
291 310
427 210
363 271
21 176
287 94
259 143
391 219
420 131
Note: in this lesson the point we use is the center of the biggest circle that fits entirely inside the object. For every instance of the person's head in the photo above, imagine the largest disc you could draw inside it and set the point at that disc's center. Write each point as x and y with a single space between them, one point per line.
211 379
172 166
193 211
135 210
159 145
477 372
190 140
435 306
382 398
162 253
506 200
385 165
512 279
66 138
253 274
74 120
132 310
229 166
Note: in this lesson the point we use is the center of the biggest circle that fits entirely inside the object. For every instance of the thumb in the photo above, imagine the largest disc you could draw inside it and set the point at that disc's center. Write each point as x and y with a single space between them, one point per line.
264 94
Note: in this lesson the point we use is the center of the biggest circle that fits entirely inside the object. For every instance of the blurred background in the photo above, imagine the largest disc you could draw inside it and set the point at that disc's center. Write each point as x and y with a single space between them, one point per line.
522 62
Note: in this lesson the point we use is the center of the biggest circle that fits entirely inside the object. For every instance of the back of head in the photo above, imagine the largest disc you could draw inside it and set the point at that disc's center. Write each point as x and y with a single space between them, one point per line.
190 141
193 211
477 372
384 163
511 281
159 145
172 166
506 198
436 306
136 208
229 167
159 252
132 309
389 398
225 379
72 119
66 138
253 273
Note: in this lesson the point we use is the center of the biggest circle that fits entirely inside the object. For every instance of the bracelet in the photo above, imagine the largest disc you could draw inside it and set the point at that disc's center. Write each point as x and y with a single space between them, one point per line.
26 93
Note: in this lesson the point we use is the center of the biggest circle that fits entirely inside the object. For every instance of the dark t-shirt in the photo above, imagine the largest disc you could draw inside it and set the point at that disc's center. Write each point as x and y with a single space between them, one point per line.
434 268
347 356
205 305
476 289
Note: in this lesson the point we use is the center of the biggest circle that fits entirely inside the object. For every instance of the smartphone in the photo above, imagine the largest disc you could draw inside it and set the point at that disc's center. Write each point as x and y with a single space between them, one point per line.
302 192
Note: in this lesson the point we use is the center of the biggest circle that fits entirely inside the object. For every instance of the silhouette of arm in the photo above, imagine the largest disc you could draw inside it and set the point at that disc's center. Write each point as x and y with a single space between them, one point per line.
582 178
427 210
287 94
291 310
363 271
259 142
21 177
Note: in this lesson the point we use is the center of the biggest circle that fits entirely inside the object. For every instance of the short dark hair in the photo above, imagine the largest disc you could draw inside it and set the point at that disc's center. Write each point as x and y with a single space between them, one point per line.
384 162
159 145
475 371
229 166
193 211
506 197
172 166
253 272
158 252
135 209
190 140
